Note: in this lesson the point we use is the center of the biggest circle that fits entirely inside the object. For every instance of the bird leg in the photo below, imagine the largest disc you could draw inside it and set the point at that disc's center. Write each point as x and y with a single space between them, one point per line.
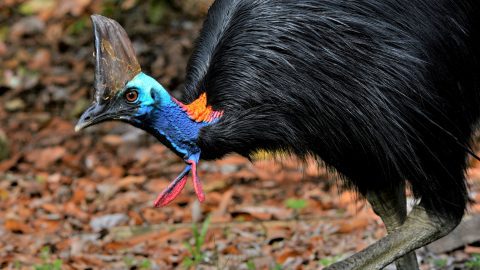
391 206
420 228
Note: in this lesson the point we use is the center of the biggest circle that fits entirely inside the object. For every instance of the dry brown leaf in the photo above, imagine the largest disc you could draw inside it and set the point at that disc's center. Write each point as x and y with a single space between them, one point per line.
46 226
475 208
135 217
154 216
112 140
41 60
46 157
287 253
89 260
116 246
346 198
356 223
16 226
71 209
102 172
222 207
3 48
51 208
278 232
78 196
130 180
73 7
231 249
472 250
9 163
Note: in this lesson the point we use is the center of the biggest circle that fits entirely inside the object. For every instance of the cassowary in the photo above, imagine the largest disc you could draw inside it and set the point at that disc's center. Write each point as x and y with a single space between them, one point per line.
386 92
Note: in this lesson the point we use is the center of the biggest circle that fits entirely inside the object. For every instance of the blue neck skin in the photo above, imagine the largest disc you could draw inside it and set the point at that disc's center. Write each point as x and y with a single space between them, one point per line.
166 120
173 127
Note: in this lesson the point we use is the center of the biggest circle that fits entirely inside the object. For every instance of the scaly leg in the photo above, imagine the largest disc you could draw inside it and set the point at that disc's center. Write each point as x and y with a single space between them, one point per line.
391 206
419 229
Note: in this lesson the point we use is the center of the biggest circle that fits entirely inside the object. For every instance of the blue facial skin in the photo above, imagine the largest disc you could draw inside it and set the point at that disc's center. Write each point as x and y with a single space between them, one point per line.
159 115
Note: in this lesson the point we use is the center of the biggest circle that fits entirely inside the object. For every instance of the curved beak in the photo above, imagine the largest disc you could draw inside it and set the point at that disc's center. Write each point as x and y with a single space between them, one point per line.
95 114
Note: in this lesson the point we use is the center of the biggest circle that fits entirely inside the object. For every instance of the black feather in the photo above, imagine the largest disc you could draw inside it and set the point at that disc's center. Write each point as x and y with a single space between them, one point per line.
381 90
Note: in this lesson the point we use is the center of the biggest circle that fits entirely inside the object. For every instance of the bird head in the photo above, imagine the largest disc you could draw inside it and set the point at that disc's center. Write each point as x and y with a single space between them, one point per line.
122 91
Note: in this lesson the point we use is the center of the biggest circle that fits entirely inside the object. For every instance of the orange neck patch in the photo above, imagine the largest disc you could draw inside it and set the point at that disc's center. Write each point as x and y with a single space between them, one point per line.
199 111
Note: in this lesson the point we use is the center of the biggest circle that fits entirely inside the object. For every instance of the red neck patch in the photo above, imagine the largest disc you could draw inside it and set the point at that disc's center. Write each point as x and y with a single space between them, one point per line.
199 111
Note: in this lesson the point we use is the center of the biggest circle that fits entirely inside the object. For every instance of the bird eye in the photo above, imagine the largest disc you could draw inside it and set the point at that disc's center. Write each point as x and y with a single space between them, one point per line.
131 95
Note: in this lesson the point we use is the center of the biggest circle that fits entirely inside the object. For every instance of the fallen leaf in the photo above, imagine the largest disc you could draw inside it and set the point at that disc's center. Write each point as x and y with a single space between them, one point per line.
89 259
46 157
222 207
74 7
107 221
231 249
130 180
50 208
46 226
356 223
26 26
3 48
78 196
154 216
135 217
71 209
472 250
116 246
17 226
265 212
14 105
112 140
41 60
286 254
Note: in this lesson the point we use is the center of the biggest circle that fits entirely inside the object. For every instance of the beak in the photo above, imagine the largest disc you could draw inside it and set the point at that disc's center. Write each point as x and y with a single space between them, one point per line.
93 115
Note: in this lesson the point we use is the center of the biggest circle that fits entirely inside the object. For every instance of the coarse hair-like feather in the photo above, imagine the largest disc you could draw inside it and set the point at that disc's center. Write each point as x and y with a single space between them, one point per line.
384 91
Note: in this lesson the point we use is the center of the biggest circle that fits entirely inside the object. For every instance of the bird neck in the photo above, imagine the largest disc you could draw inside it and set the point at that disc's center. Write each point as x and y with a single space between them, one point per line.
177 125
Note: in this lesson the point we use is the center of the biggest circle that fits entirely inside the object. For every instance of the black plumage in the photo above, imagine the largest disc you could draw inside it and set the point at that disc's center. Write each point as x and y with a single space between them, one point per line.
382 91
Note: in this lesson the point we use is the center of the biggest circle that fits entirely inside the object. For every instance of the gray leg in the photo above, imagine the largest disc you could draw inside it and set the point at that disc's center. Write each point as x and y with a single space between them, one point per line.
391 206
419 229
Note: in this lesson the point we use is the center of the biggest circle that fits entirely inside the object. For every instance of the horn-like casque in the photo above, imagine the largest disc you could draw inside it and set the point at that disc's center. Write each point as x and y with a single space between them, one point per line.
115 60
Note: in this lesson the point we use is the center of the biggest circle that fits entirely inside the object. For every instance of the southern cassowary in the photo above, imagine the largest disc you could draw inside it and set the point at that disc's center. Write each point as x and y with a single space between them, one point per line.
386 92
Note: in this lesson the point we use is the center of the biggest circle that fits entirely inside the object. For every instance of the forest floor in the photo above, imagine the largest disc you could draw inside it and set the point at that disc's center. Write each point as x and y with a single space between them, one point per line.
85 200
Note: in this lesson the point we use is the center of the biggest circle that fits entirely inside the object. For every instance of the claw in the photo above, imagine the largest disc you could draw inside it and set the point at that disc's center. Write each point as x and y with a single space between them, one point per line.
173 190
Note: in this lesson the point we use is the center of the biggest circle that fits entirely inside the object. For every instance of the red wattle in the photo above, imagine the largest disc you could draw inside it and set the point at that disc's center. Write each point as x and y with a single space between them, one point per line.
171 192
197 185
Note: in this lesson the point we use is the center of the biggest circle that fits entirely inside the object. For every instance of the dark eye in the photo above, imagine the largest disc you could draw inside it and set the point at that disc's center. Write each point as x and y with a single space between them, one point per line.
131 95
